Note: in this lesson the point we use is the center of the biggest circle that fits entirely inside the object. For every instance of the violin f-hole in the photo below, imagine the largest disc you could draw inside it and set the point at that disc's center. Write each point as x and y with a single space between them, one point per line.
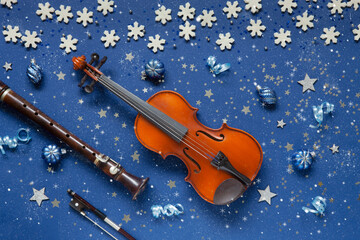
218 139
193 160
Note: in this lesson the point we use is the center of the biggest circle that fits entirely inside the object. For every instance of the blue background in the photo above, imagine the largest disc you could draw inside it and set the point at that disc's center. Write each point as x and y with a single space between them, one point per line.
333 176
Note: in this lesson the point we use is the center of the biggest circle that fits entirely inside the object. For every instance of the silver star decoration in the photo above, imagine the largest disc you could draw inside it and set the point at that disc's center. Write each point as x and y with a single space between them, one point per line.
281 123
39 196
334 149
308 83
7 66
266 195
61 76
129 56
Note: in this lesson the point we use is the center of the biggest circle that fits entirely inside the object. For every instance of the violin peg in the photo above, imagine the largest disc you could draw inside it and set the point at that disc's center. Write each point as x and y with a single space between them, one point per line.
88 89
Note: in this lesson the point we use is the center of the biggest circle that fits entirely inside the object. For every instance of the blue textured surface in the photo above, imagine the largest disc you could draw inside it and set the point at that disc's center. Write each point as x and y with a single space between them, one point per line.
333 176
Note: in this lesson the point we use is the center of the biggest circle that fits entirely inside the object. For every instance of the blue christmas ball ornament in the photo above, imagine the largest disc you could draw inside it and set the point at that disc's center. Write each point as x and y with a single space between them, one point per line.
267 95
302 159
34 72
154 70
51 154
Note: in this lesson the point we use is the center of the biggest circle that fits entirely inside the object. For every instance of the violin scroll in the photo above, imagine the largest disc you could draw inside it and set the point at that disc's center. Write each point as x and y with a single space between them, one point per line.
91 71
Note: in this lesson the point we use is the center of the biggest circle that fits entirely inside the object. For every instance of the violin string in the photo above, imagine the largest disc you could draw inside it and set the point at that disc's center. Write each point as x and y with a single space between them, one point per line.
205 150
113 89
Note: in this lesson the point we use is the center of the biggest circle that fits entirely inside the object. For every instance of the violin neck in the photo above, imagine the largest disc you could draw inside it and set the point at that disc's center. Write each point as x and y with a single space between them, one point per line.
168 125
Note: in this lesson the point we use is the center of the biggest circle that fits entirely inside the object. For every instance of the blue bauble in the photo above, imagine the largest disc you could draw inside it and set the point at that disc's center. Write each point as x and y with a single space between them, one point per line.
51 154
302 159
154 70
267 95
34 72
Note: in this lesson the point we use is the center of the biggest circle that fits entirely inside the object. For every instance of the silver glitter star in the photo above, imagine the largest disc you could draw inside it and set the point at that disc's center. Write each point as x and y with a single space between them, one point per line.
7 66
39 196
308 83
266 195
281 123
334 149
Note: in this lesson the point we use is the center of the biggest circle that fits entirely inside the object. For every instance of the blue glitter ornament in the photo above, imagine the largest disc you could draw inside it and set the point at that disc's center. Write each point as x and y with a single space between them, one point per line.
154 70
302 159
267 95
34 72
51 154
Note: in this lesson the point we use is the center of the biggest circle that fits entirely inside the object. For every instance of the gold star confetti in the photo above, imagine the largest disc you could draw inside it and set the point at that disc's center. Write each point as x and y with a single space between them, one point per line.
289 146
208 93
114 194
81 101
61 76
135 156
102 113
246 110
55 203
171 184
126 218
334 149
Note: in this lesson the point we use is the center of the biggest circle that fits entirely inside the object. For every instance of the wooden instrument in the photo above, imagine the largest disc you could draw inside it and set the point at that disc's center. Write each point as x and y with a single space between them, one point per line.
221 163
113 169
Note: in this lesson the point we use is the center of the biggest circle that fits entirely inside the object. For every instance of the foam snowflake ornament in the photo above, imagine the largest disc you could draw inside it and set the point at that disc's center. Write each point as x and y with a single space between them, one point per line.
232 9
282 37
30 39
305 21
186 12
105 6
136 31
330 35
356 33
69 43
253 5
45 11
206 18
225 41
354 3
64 14
84 17
287 5
156 43
187 31
8 3
11 34
336 6
256 28
163 15
110 38
312 0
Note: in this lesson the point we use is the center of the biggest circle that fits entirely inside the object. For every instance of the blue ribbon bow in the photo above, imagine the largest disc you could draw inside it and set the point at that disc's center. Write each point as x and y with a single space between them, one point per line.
168 210
216 68
319 111
319 204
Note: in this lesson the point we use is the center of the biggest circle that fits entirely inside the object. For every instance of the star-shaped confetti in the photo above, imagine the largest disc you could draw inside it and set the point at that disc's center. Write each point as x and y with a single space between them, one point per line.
308 83
61 76
171 184
334 149
208 93
55 203
281 124
246 109
266 195
135 156
289 146
39 196
126 218
7 66
102 113
129 57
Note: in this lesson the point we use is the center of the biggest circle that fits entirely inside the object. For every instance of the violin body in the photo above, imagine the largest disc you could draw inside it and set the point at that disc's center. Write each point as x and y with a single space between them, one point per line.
213 185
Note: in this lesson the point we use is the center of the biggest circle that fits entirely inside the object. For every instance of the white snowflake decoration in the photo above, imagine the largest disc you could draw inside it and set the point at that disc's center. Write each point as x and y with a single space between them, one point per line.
254 5
105 6
336 6
64 14
187 31
312 0
256 28
8 3
84 17
287 5
356 33
69 43
136 31
45 11
232 9
282 37
31 39
354 3
206 18
156 43
110 38
163 15
11 34
305 21
225 41
186 12
330 35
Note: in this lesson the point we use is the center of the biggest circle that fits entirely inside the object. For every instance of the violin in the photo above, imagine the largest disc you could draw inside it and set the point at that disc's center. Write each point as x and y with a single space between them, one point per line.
221 163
